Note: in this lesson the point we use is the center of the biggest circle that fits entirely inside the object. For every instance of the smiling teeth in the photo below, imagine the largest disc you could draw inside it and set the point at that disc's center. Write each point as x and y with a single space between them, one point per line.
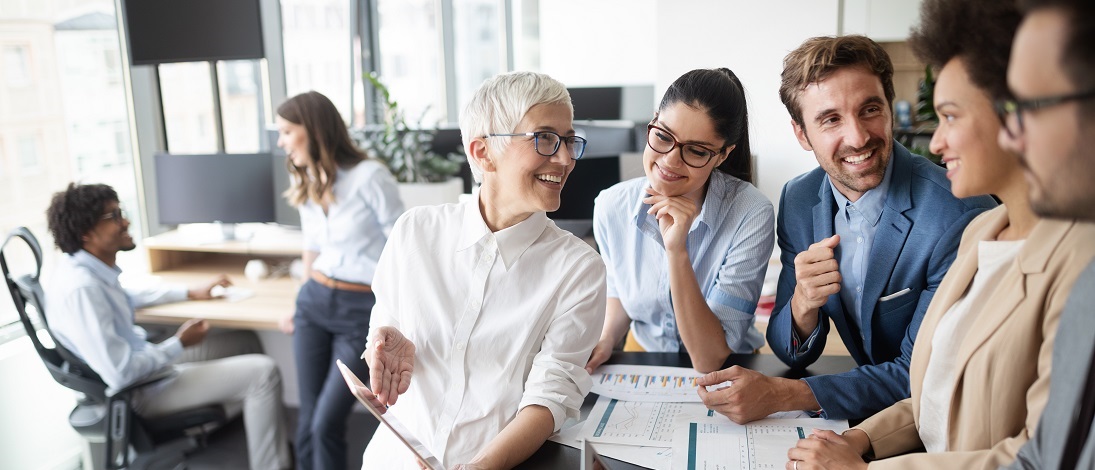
857 158
952 164
550 178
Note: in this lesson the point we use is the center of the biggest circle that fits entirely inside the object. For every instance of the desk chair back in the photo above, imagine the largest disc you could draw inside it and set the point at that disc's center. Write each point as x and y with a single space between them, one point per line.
102 418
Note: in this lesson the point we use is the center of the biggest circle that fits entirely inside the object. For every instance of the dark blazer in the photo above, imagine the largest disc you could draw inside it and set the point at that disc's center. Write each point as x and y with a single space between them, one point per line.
915 243
1072 356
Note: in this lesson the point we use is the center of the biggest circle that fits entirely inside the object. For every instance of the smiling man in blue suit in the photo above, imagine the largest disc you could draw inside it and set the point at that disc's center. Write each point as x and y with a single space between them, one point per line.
865 240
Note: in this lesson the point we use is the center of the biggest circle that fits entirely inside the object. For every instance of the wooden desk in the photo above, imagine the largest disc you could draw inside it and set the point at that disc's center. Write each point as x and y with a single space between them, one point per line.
175 257
553 455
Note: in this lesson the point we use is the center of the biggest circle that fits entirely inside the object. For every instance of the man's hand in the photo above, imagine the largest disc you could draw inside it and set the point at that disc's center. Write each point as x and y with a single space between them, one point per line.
817 276
192 332
601 352
205 292
391 362
824 449
752 395
674 215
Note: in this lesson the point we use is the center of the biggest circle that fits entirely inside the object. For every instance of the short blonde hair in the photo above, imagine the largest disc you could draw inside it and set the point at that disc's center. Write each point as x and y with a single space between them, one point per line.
501 102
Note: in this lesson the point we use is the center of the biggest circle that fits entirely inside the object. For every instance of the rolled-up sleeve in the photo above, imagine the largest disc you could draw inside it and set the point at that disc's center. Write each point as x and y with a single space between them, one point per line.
558 380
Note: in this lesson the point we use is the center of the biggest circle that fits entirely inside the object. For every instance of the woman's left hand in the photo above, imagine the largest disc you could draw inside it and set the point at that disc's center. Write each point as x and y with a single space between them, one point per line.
674 214
824 449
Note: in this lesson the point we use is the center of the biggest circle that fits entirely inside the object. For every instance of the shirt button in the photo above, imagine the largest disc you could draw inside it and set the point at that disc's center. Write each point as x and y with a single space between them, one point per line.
859 240
859 289
460 345
475 305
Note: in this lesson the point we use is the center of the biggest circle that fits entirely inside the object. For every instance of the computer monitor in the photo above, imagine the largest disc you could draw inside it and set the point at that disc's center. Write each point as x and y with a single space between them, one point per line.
228 188
162 31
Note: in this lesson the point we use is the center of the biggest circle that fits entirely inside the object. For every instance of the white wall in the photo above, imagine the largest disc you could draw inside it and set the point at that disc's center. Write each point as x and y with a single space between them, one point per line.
621 42
34 431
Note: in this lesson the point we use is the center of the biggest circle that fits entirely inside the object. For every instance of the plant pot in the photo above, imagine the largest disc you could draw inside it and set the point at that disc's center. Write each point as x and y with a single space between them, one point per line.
428 194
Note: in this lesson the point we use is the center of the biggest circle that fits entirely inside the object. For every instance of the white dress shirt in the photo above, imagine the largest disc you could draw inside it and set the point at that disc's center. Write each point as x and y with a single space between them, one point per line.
351 235
499 321
92 315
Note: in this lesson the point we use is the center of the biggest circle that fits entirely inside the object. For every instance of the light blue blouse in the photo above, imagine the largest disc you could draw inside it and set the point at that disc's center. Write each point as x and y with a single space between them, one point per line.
729 244
351 236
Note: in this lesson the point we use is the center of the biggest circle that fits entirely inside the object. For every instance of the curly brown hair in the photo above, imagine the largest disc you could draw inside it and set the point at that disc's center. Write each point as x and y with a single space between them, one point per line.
979 32
819 57
75 211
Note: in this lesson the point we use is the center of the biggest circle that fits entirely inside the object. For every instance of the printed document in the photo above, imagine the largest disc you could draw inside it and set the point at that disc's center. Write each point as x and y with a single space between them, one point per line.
646 383
710 443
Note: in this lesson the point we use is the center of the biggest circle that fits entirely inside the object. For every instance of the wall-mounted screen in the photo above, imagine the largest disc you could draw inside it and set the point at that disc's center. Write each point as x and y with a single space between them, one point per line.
160 31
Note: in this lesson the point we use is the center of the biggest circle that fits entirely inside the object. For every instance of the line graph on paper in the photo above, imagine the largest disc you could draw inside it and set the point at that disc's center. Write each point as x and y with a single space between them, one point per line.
646 383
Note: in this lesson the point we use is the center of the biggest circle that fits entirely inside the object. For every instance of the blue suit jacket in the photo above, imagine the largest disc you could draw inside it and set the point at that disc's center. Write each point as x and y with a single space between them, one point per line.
916 242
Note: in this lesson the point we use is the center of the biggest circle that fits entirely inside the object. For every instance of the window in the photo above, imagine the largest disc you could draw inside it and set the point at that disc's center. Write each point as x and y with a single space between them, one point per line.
241 105
82 118
411 64
316 38
17 66
479 41
187 95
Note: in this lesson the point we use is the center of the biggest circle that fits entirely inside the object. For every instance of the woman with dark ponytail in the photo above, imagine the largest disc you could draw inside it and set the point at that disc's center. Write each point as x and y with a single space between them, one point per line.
687 246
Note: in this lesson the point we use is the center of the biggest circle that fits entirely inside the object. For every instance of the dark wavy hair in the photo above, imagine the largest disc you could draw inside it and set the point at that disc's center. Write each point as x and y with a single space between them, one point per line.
979 32
722 96
1078 56
75 211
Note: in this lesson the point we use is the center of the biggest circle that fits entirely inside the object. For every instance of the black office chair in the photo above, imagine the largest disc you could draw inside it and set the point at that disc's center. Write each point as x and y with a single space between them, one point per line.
105 420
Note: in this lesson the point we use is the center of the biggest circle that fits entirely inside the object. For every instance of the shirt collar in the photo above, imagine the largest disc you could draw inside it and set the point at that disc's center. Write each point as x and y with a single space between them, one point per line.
511 241
872 202
96 266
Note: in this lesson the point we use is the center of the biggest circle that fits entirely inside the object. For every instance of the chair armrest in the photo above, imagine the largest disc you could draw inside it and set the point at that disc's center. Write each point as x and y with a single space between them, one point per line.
158 376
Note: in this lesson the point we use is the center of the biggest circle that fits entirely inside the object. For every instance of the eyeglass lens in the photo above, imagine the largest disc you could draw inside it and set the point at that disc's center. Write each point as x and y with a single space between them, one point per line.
547 143
693 155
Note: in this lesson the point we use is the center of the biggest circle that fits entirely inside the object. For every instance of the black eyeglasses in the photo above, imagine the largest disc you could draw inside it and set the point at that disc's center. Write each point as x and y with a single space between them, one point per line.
1005 109
117 215
693 155
547 142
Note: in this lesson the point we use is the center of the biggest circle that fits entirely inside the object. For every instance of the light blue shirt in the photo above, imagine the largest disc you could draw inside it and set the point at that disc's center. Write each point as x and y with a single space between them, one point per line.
729 244
92 315
856 223
352 234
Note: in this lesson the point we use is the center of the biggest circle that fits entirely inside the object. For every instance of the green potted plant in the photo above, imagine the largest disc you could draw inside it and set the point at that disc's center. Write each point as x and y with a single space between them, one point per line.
425 176
925 112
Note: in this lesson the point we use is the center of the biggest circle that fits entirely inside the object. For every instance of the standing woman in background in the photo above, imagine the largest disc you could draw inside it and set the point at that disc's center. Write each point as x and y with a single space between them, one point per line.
687 246
348 205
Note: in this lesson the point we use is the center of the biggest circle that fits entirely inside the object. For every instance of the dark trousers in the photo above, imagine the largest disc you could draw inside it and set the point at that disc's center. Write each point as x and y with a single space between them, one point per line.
329 324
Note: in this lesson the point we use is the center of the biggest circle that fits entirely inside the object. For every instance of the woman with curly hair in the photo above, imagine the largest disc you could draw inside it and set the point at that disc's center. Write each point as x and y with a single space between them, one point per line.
979 373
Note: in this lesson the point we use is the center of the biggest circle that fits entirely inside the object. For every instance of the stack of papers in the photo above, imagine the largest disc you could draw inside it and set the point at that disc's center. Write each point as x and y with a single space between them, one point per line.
653 417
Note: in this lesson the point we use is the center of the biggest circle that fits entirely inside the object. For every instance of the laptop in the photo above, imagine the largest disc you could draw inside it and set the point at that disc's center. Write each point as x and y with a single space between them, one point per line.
412 443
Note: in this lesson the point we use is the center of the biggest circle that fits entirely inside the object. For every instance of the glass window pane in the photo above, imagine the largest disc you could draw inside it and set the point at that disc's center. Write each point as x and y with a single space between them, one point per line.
187 93
479 40
63 117
316 38
411 63
241 106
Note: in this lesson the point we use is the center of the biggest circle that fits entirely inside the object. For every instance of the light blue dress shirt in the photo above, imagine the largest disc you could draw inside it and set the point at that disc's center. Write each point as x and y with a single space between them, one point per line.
92 315
856 223
729 245
352 234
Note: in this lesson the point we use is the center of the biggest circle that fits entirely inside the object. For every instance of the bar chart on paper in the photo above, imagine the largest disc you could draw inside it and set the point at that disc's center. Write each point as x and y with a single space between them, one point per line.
708 443
646 383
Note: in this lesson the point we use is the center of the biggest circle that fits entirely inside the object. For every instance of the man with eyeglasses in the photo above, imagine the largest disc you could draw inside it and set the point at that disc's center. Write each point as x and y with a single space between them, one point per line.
865 240
91 314
486 311
1051 124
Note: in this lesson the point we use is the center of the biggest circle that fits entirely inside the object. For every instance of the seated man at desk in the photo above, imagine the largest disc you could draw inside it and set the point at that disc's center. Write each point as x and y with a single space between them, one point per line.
483 335
92 315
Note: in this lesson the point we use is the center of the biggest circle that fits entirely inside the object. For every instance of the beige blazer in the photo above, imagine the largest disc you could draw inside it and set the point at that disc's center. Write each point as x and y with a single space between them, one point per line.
1003 363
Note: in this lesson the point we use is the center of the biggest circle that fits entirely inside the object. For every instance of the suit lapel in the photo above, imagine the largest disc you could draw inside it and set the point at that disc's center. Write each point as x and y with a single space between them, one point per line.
893 230
823 228
1011 290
